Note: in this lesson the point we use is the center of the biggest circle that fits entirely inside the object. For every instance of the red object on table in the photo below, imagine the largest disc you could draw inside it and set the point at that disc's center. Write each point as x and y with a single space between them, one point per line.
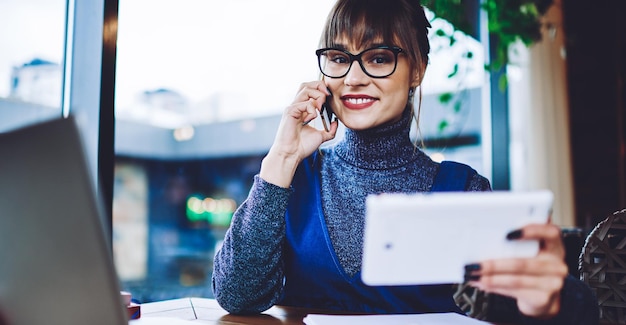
134 311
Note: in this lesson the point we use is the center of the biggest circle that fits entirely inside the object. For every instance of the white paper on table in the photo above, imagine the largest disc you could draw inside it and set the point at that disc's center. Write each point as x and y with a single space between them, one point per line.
161 321
403 319
428 238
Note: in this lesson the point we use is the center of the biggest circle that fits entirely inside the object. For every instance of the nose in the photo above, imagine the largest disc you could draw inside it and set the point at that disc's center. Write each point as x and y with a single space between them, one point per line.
356 76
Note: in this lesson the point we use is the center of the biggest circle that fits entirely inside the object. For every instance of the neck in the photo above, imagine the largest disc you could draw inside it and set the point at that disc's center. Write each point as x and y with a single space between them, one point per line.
382 147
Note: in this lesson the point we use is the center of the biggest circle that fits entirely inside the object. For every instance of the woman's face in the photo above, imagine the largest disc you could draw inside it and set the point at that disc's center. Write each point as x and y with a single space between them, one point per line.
362 102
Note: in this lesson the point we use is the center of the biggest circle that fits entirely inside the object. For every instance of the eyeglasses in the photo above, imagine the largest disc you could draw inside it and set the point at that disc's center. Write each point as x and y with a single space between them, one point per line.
377 62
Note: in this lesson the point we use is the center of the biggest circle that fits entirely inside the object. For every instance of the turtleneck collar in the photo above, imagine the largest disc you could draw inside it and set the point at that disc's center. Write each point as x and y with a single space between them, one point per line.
383 147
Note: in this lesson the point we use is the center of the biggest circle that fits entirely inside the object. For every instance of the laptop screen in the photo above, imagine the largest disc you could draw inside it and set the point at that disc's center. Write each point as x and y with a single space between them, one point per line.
56 261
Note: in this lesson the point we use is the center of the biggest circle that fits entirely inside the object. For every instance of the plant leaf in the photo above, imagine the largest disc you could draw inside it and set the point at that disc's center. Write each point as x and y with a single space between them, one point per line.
455 70
442 125
445 98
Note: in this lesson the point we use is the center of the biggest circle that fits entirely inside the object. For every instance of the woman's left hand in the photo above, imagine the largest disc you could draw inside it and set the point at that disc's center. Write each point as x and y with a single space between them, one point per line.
534 282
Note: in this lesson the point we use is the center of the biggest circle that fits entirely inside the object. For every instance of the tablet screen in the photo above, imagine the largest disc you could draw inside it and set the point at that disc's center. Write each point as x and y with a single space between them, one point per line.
428 238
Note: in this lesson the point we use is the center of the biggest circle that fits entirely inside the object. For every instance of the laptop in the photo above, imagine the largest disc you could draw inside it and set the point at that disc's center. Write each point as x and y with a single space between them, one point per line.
56 266
428 238
55 259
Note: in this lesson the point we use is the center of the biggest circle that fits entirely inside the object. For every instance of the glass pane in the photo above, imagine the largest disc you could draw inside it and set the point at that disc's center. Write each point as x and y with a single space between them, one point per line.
451 118
198 100
31 61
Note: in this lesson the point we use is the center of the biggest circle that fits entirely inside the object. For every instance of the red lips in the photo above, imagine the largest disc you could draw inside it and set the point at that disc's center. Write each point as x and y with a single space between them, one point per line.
357 101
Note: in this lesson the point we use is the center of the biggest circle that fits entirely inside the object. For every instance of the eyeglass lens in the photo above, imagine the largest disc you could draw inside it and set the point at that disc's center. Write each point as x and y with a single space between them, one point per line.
376 62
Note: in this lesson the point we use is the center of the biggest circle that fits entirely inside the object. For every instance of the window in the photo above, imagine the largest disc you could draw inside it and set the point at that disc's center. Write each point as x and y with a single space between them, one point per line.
198 100
31 61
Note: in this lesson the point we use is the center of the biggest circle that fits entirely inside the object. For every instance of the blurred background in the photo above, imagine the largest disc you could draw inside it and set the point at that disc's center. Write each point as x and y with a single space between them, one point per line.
179 101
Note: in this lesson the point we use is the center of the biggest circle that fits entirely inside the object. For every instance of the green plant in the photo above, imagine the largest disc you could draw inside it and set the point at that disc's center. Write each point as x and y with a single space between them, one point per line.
509 21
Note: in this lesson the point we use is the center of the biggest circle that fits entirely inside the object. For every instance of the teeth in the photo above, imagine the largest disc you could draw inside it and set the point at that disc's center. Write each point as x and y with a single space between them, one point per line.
359 100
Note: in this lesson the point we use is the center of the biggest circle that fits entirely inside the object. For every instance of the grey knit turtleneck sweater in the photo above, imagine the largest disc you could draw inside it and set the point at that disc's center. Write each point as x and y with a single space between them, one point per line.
248 270
373 161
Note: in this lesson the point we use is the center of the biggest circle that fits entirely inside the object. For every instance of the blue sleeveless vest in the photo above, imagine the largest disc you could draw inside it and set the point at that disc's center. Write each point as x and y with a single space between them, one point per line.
314 277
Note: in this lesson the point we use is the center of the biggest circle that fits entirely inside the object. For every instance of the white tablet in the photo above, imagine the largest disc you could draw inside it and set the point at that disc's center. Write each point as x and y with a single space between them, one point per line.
428 238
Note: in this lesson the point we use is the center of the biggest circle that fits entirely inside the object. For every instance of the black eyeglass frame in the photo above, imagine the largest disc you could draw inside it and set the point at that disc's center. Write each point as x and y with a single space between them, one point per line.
357 57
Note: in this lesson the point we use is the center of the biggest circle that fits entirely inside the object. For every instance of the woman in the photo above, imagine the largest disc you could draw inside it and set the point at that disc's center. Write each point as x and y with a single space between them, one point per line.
297 239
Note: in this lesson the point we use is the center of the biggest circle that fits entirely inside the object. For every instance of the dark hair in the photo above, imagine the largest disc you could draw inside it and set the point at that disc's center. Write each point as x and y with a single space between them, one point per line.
401 23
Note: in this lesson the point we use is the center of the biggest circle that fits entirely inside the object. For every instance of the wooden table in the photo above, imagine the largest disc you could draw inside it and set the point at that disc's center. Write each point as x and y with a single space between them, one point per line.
208 311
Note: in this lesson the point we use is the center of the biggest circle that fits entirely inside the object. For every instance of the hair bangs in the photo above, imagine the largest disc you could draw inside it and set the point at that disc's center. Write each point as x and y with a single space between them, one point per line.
363 23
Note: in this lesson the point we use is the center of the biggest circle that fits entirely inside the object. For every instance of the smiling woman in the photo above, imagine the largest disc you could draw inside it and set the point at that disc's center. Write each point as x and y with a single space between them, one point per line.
200 87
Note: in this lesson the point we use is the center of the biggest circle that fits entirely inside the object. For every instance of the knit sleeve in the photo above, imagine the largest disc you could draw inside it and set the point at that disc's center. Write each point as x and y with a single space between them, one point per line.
479 183
248 270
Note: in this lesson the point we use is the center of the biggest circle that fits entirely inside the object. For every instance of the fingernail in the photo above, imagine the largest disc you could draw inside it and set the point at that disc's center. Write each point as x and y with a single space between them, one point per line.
469 272
472 267
515 234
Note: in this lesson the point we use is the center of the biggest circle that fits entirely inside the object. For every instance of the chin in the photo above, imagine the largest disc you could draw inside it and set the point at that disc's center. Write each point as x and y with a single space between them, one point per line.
364 124
360 125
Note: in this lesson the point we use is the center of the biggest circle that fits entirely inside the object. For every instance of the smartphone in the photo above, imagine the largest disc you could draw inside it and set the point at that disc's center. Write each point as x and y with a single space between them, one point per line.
327 113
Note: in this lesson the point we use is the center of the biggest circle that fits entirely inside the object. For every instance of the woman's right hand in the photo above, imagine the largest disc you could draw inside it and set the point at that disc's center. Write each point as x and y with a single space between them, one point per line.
295 140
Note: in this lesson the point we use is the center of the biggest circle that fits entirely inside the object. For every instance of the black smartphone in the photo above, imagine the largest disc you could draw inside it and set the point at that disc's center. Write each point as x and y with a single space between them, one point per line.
327 113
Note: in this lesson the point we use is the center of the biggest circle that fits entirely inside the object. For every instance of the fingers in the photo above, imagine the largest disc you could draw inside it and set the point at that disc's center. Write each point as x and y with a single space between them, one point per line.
315 90
308 103
534 302
294 138
549 237
541 232
534 282
542 273
549 260
302 112
542 265
521 287
535 296
332 131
